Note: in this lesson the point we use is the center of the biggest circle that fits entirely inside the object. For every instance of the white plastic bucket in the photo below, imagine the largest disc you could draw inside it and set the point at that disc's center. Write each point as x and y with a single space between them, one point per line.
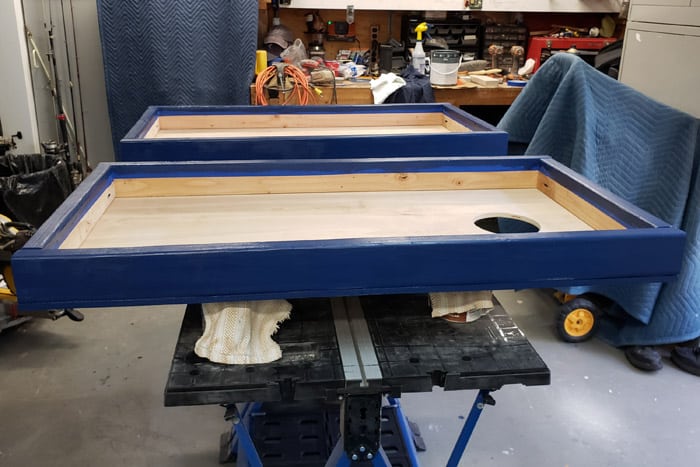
444 65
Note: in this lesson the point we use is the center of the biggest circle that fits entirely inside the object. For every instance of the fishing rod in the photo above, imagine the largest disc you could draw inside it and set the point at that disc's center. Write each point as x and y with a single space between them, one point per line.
62 148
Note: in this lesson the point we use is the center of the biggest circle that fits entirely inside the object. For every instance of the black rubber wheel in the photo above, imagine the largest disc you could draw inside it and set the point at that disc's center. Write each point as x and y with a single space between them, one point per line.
578 319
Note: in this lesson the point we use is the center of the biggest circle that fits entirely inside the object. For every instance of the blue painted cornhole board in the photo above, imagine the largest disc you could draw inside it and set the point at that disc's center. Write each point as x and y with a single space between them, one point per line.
468 135
644 248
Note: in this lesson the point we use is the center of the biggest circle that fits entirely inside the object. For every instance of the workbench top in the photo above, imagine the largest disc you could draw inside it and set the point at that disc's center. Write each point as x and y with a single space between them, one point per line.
414 353
358 92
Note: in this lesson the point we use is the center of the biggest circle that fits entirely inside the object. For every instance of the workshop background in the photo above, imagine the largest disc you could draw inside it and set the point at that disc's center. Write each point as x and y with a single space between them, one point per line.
92 392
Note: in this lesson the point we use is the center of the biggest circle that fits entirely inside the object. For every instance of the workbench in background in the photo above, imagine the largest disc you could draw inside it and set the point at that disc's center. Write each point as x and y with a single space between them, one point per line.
358 92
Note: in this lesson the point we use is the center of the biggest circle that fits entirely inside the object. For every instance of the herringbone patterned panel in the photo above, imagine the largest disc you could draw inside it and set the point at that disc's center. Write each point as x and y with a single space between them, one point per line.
175 52
639 149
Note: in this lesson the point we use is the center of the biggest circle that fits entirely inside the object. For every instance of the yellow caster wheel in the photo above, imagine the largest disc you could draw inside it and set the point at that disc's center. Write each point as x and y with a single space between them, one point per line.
578 319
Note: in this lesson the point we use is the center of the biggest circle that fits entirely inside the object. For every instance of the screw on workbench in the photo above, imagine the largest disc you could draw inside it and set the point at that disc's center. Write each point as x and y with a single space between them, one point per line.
363 449
354 457
369 456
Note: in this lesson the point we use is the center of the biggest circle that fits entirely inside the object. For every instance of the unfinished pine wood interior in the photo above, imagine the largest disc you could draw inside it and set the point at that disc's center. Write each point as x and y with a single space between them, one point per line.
209 210
239 126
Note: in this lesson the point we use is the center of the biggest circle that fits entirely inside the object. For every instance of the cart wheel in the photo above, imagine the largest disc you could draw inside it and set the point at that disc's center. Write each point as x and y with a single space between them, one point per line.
578 319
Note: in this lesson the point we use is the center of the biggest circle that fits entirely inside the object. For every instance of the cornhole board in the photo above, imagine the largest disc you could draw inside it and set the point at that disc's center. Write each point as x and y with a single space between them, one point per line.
299 132
150 233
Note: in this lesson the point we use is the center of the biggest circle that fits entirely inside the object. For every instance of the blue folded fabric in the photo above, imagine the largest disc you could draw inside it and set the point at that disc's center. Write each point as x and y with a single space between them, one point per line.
639 149
676 313
417 89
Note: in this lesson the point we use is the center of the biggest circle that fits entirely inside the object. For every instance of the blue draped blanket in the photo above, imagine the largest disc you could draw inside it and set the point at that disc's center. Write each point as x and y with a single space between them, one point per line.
175 52
639 149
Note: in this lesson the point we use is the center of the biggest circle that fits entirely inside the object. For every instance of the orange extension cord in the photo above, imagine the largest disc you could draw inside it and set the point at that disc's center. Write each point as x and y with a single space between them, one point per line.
300 85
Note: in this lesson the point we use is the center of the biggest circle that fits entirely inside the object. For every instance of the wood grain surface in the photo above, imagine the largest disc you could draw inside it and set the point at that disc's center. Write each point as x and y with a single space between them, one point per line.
198 186
176 220
227 126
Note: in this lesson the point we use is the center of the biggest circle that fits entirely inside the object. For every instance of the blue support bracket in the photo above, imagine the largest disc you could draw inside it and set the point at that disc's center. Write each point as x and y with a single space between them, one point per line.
483 398
240 445
406 432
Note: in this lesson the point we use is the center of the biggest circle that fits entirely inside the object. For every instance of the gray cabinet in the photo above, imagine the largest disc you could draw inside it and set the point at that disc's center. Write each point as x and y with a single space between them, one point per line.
662 2
605 6
659 57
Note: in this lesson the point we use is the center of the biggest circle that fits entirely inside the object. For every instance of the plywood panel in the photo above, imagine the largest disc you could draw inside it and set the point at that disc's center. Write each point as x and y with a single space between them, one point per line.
131 222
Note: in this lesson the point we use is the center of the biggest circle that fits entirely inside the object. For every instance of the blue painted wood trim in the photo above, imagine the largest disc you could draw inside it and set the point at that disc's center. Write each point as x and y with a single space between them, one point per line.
324 167
47 277
193 274
451 144
143 124
483 140
57 227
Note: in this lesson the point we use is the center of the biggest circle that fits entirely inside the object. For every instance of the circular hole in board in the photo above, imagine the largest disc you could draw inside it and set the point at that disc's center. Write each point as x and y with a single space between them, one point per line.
506 224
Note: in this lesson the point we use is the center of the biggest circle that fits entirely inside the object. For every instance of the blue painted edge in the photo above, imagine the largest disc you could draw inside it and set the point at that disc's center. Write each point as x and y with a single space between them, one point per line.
54 230
150 169
482 139
143 124
294 147
213 273
614 206
49 277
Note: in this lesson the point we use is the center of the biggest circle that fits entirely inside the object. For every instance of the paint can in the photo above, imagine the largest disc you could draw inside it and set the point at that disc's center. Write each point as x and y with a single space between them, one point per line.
444 65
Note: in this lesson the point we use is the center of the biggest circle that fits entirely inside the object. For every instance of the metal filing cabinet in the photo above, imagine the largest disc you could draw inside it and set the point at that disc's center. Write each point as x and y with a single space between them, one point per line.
659 57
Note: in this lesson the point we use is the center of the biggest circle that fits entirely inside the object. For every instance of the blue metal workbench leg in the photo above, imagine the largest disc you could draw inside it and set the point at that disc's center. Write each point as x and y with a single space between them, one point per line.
482 398
406 433
241 444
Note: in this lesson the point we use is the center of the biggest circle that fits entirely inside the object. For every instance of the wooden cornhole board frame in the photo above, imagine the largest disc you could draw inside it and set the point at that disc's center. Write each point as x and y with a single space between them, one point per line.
179 133
156 233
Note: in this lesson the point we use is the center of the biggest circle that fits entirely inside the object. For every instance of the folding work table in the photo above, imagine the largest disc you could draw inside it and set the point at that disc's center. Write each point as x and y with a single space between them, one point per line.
340 356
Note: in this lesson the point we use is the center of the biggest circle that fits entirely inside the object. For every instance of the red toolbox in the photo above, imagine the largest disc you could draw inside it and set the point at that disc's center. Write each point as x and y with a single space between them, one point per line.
542 47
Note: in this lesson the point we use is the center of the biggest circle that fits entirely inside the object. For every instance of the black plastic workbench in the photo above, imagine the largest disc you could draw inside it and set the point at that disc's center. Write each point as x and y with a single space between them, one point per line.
414 351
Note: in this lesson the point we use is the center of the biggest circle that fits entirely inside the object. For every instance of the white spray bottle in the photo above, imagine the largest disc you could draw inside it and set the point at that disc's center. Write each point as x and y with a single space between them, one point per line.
418 53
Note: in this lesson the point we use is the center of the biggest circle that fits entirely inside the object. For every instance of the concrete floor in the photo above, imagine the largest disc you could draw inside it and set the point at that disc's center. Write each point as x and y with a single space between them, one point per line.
91 393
